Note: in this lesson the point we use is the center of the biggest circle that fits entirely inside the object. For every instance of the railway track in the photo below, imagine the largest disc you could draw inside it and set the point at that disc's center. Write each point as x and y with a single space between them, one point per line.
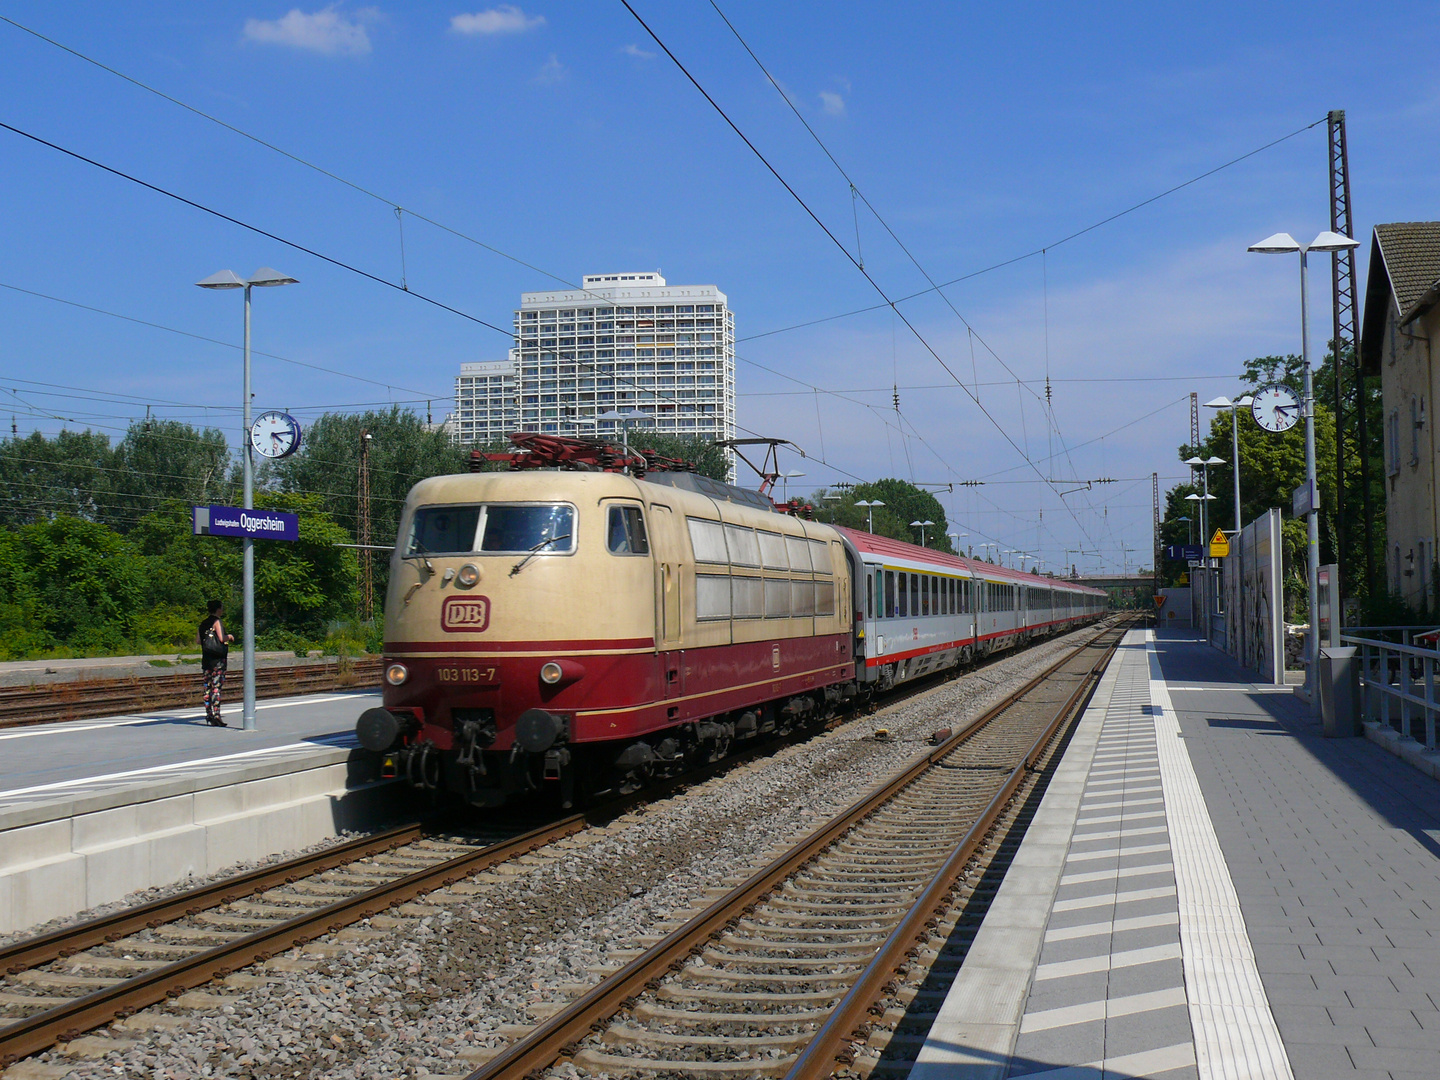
779 975
59 985
49 702
54 987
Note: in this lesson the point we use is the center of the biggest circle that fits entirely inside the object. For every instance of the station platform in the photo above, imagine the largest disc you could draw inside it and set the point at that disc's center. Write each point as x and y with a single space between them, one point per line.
91 810
1209 888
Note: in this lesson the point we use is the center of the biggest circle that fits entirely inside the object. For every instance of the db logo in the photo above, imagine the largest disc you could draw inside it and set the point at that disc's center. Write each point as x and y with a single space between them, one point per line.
465 613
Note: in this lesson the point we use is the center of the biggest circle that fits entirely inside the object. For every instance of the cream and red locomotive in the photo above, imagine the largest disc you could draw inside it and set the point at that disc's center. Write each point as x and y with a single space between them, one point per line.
591 630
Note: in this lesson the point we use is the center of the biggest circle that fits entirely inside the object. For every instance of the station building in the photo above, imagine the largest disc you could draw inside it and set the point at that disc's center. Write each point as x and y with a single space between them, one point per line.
1402 319
486 403
626 342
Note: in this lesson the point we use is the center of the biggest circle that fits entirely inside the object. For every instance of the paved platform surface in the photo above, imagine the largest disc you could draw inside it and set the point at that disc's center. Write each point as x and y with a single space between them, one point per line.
81 759
1209 889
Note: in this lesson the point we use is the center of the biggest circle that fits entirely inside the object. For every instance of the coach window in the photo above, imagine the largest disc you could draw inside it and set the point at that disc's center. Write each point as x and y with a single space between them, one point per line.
902 609
625 533
772 551
914 595
889 594
924 594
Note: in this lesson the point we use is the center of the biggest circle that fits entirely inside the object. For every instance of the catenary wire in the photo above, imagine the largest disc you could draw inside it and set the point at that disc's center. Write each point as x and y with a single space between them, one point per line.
836 241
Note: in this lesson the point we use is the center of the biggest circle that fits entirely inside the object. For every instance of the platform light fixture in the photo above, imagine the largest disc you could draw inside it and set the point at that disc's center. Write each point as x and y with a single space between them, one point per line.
921 525
1285 244
870 506
264 278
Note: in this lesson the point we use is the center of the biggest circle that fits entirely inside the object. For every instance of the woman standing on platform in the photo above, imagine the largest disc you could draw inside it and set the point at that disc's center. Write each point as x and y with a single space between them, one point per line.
214 657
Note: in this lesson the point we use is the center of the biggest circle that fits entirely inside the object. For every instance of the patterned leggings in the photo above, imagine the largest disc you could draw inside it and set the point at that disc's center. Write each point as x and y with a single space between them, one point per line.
214 681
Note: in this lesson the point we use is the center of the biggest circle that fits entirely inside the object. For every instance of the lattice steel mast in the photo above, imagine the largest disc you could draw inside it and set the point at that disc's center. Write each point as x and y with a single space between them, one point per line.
1342 269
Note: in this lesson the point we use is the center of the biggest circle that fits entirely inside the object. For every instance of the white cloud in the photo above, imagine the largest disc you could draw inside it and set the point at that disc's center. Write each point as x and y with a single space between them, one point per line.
325 31
551 72
832 103
504 19
637 52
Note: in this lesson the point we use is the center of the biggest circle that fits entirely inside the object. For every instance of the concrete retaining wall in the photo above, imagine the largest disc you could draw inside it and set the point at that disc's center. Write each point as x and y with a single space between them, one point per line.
60 858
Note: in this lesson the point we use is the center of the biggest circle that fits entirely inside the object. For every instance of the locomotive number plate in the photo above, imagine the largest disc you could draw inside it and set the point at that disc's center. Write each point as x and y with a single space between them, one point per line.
470 675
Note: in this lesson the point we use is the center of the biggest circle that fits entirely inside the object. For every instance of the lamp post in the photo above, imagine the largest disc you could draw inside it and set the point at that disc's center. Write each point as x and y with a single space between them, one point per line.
988 544
227 279
921 526
1284 244
954 540
785 479
870 506
1234 407
1189 527
626 419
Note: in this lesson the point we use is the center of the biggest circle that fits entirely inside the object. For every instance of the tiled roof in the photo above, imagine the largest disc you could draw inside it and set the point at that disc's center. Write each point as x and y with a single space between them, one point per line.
1405 262
1411 250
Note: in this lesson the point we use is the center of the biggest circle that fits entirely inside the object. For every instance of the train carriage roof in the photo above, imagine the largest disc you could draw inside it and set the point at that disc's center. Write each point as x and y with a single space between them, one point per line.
883 546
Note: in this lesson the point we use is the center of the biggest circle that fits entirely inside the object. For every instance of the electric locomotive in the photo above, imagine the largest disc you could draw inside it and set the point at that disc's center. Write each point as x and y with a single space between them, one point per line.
592 630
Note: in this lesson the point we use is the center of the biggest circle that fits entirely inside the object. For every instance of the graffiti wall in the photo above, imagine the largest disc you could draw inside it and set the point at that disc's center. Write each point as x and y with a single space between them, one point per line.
1254 615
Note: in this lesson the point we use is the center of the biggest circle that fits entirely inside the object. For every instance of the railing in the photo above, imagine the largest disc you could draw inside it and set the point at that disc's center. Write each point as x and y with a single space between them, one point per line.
1397 682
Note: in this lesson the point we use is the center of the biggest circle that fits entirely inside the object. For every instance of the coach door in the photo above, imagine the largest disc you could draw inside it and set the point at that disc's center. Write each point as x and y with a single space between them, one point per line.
669 549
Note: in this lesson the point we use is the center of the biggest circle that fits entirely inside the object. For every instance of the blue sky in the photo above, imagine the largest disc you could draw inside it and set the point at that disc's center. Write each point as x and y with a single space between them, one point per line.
560 134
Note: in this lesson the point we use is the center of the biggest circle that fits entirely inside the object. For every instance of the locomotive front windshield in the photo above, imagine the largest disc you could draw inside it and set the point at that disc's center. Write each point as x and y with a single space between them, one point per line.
492 529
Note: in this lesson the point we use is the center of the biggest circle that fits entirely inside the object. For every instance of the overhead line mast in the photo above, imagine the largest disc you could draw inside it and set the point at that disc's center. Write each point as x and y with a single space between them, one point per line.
1342 271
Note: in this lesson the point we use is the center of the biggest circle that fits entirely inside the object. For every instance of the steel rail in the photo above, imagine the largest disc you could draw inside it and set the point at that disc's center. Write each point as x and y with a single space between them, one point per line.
31 952
826 1050
559 1036
64 1022
80 700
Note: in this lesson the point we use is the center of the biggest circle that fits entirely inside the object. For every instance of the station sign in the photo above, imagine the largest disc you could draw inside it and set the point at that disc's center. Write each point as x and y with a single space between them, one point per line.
251 524
1304 499
1184 551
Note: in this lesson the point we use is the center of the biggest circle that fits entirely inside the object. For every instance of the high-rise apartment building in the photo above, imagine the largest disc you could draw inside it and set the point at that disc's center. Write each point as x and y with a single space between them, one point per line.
626 343
486 406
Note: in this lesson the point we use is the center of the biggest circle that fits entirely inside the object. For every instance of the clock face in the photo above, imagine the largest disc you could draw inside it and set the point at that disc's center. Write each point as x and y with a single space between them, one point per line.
1275 407
275 435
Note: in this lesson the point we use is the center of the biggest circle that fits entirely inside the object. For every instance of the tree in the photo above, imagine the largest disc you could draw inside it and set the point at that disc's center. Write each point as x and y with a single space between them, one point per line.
161 460
402 451
904 503
707 458
68 474
1272 466
89 584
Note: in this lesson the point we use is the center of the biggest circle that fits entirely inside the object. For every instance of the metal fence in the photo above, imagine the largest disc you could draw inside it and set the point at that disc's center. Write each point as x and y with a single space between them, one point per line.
1398 678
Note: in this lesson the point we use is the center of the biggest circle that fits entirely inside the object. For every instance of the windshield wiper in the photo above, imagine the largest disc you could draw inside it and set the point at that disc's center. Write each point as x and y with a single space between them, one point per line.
536 551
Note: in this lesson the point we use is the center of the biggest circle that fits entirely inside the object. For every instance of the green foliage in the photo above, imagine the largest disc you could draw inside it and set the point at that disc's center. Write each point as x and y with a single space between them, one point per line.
707 458
1272 465
83 476
904 503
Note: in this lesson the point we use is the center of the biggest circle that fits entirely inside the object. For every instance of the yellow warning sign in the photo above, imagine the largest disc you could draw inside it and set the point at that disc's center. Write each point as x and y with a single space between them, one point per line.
1219 545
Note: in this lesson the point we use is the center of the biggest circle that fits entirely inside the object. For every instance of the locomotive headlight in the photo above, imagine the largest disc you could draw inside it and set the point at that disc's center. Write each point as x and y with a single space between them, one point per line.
551 673
468 576
395 674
